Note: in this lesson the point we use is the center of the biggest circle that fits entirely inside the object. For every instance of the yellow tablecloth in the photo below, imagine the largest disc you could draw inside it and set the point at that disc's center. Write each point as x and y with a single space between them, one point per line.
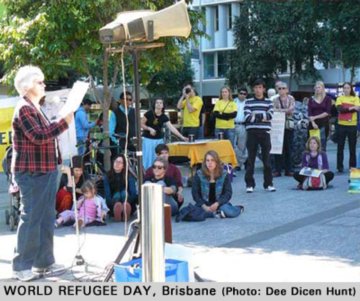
196 152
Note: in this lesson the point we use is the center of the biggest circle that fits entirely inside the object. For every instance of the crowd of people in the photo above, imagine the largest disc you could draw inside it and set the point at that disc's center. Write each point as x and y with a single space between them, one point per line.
47 196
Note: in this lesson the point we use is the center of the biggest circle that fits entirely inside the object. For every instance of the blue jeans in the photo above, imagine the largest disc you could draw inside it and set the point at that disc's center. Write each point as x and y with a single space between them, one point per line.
228 134
228 209
35 233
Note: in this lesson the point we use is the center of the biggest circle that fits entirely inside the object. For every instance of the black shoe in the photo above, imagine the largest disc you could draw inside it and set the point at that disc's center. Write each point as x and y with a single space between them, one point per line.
276 174
340 170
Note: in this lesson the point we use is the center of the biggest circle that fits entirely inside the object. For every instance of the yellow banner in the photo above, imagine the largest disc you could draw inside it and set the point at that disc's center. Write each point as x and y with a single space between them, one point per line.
5 130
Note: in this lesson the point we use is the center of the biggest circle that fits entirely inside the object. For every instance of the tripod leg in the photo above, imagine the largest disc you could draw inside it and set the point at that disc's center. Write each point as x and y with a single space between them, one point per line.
135 231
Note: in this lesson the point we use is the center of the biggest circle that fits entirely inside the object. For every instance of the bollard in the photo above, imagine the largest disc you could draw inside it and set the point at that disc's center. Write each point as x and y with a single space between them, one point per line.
152 233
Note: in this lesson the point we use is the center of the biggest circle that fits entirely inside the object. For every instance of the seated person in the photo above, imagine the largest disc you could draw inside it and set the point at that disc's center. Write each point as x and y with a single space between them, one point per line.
159 170
91 208
121 202
211 189
64 196
162 151
314 158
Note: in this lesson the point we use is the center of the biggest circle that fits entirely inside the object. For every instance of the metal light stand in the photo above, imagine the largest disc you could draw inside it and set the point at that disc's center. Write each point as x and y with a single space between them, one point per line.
135 229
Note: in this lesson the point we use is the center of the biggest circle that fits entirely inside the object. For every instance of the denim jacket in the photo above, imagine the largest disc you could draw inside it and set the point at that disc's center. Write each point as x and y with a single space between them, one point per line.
201 187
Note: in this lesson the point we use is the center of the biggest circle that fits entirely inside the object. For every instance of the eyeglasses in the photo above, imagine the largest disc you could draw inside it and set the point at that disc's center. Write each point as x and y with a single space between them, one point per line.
281 88
129 99
242 93
158 167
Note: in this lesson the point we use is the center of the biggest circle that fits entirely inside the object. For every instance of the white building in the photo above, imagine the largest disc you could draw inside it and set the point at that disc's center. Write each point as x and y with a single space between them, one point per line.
208 60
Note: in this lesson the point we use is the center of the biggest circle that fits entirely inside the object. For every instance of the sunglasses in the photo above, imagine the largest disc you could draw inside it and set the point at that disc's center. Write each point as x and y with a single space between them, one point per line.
242 93
158 167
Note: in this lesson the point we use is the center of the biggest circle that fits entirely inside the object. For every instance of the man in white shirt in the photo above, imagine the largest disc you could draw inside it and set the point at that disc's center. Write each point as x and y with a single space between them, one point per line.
240 130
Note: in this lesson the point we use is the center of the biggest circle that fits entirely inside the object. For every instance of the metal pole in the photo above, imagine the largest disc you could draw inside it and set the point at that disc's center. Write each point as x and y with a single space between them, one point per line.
138 122
152 233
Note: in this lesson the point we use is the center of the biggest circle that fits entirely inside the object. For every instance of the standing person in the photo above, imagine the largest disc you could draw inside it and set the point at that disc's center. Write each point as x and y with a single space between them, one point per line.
35 165
123 111
201 134
225 111
314 158
162 151
258 115
285 103
211 189
240 129
83 125
191 104
152 124
319 112
120 201
348 105
169 186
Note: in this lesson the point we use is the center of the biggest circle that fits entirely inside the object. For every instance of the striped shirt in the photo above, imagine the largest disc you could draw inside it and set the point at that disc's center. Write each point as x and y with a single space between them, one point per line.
34 139
258 114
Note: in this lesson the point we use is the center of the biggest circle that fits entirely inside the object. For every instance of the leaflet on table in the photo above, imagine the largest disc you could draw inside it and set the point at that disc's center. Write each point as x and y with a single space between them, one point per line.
74 98
310 172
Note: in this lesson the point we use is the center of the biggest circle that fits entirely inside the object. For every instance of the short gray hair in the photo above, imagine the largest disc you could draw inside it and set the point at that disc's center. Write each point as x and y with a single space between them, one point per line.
25 76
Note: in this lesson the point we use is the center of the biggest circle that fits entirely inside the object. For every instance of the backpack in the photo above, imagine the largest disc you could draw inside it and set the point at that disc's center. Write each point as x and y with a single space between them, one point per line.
191 213
315 183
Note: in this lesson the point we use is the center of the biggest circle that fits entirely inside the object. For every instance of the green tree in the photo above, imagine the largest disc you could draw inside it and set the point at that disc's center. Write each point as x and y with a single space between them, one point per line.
272 37
343 23
168 82
63 35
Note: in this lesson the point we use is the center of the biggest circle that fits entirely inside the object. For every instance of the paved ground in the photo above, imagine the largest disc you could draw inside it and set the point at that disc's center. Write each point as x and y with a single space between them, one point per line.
288 235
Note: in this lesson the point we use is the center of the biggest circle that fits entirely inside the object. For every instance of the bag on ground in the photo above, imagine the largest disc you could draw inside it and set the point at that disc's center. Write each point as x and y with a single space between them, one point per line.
315 183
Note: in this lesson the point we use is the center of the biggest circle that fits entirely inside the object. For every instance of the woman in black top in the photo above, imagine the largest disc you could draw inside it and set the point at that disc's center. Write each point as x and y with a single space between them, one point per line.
152 124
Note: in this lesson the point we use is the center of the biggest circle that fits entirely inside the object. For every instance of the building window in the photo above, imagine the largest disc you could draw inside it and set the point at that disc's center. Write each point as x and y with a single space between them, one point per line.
222 64
229 17
209 70
216 23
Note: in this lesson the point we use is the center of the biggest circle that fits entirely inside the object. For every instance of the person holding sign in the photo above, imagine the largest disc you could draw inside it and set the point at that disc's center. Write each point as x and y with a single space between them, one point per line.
35 166
285 103
347 105
314 158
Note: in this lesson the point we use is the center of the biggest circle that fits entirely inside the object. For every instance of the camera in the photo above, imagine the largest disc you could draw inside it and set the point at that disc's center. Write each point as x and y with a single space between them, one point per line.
187 90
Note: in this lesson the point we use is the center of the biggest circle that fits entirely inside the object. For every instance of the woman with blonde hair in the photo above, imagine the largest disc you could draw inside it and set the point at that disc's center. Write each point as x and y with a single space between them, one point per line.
225 111
211 189
319 112
314 158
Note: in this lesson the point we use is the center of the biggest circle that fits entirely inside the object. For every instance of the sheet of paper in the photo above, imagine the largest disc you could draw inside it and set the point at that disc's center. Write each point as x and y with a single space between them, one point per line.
310 172
74 98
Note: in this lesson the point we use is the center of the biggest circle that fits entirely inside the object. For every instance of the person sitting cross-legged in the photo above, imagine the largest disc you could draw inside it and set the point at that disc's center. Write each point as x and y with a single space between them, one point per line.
172 172
314 158
159 167
211 189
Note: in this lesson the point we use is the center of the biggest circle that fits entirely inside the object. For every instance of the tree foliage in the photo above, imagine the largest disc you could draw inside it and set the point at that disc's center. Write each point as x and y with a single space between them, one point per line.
274 36
62 36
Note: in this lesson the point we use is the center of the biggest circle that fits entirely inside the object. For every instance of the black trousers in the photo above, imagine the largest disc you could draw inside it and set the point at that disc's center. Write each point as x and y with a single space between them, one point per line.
254 139
329 175
343 132
284 160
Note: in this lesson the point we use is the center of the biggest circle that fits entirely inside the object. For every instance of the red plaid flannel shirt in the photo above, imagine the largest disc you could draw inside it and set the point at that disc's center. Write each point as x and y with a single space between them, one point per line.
34 139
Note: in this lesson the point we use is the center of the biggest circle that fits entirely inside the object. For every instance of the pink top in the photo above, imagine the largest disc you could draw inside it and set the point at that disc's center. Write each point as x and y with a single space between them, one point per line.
89 211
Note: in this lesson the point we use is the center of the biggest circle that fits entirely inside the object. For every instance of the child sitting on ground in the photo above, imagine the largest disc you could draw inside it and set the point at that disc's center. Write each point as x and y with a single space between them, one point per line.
91 208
